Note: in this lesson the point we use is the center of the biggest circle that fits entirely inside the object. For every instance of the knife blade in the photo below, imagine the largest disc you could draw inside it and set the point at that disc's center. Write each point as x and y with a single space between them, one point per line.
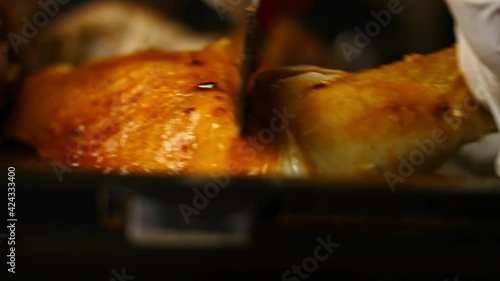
248 60
261 15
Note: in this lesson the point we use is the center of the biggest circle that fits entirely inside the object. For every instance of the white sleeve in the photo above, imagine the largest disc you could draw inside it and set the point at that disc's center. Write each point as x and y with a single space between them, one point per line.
478 35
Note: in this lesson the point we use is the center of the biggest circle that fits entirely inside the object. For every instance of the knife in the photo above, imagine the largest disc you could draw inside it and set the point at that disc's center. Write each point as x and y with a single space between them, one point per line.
248 60
260 16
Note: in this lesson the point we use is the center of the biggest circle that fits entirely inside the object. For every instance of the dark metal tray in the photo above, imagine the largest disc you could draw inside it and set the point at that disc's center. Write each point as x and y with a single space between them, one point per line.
430 228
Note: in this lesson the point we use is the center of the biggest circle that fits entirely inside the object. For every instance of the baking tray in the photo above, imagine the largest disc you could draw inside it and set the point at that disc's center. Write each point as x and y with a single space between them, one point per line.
429 228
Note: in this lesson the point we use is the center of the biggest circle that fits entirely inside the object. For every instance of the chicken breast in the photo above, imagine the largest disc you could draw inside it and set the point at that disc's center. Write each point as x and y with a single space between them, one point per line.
401 118
154 111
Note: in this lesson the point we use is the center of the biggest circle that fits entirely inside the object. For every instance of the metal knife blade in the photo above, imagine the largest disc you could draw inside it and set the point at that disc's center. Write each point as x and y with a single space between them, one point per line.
248 60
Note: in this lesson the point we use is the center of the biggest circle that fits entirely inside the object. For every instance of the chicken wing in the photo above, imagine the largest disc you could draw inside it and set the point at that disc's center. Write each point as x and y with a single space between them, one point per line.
414 112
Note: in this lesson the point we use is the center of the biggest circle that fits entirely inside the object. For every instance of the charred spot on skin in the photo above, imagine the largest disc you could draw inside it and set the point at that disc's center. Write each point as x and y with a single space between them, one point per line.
189 110
219 111
319 86
471 104
207 86
196 62
185 148
442 108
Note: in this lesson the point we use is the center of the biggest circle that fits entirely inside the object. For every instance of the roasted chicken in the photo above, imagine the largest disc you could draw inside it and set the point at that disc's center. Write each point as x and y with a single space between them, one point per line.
150 112
174 113
413 113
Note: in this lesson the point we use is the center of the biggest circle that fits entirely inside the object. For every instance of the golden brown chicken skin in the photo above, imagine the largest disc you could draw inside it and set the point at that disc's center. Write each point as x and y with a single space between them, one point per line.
417 112
154 111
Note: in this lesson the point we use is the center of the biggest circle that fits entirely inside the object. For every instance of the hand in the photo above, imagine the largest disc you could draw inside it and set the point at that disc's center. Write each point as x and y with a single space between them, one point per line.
478 36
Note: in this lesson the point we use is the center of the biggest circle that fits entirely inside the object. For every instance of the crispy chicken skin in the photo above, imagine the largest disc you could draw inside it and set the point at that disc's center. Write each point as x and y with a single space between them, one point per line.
153 111
174 113
368 123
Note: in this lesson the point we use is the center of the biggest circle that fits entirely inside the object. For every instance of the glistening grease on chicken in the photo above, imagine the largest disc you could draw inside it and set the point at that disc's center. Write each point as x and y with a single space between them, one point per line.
153 111
174 113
